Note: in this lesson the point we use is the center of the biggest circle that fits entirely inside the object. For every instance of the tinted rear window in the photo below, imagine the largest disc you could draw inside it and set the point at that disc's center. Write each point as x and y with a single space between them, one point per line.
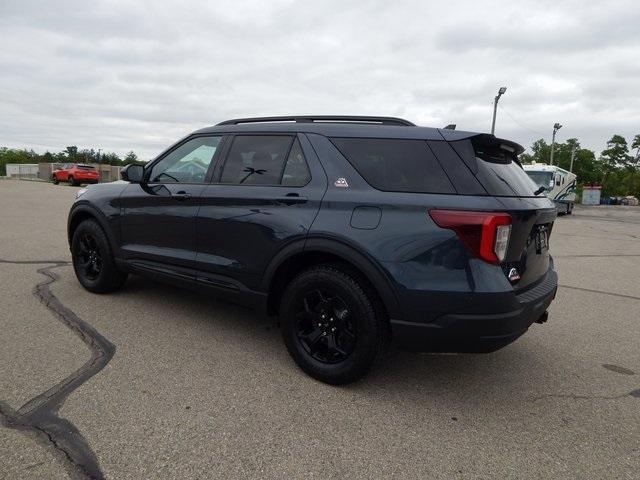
496 167
395 165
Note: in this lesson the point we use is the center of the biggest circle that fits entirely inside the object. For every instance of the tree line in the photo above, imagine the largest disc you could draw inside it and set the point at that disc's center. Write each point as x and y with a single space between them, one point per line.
70 154
617 168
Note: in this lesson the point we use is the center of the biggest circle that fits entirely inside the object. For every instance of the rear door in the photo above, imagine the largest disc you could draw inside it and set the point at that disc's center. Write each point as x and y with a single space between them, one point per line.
63 174
265 195
158 224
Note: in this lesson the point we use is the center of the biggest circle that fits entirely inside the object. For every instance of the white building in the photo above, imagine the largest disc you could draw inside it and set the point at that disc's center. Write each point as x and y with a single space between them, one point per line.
591 194
22 170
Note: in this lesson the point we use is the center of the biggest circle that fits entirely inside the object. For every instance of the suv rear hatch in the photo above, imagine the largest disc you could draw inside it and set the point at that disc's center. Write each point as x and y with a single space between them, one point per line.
494 163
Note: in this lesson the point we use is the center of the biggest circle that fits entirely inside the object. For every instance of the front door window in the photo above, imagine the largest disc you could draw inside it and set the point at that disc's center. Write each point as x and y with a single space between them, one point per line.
186 164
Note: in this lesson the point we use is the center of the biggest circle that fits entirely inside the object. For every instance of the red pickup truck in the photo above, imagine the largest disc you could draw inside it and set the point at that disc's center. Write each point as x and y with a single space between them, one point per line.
75 174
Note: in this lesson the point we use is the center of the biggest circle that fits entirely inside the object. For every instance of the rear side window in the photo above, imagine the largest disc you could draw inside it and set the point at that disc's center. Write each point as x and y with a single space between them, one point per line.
85 167
395 165
496 167
296 171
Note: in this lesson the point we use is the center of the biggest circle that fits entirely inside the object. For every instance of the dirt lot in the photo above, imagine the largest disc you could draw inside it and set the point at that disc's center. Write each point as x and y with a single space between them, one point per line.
200 389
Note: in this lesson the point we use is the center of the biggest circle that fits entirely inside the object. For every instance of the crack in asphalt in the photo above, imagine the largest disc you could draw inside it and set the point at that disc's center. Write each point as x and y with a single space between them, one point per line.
39 415
633 393
603 218
614 233
599 291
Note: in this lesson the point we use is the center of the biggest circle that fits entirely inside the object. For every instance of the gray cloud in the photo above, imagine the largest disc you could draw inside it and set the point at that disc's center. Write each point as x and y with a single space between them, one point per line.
138 75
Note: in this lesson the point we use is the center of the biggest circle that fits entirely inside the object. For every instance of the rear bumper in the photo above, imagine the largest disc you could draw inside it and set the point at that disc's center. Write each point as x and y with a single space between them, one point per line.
88 180
480 333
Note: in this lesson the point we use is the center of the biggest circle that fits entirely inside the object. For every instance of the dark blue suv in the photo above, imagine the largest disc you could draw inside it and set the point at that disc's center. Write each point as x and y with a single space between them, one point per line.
354 230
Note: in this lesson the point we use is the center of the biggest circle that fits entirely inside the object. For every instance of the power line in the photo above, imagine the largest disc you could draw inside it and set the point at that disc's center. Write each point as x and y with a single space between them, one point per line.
517 122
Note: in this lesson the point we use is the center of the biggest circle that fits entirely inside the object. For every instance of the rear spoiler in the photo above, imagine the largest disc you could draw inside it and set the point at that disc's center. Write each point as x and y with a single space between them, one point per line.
483 138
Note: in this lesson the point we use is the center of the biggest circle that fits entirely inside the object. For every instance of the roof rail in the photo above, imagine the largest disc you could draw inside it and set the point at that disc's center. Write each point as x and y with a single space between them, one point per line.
321 119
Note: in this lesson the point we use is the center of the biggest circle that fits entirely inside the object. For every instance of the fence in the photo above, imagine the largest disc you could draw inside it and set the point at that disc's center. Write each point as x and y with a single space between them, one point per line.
22 170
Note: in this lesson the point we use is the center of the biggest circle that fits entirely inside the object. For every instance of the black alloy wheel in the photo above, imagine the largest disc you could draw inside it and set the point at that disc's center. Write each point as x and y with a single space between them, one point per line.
93 260
89 257
324 326
333 323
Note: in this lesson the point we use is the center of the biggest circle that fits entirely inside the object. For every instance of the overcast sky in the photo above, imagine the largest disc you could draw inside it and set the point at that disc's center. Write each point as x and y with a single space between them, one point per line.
134 75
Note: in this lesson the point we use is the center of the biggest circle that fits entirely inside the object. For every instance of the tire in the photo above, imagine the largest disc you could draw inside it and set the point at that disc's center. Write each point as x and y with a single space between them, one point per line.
353 323
71 181
570 209
54 179
93 261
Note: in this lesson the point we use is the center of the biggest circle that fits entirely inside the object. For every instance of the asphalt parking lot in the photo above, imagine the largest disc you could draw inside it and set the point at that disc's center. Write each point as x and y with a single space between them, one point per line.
202 389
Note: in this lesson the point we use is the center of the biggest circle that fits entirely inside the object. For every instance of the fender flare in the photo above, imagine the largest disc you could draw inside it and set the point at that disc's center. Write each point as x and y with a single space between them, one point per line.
97 215
338 247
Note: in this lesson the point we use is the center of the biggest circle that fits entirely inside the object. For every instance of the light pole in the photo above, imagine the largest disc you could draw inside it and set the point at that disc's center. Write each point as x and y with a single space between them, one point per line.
495 107
556 127
573 155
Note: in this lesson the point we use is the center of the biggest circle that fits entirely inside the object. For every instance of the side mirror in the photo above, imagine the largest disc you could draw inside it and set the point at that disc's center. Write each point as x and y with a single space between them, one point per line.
558 177
132 173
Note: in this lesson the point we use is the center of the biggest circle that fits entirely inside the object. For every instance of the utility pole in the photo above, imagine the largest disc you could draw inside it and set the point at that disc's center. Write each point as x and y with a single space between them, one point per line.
495 107
556 127
573 154
99 165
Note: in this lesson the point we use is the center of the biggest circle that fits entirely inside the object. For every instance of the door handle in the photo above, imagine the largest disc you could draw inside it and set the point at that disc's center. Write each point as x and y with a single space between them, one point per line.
291 199
181 196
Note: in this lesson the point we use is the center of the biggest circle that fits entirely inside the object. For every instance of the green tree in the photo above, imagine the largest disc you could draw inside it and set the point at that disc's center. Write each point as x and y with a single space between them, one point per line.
616 154
111 158
131 157
618 168
540 152
12 155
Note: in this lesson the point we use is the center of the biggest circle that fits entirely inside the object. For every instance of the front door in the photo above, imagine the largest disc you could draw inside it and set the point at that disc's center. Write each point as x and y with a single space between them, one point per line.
265 195
158 223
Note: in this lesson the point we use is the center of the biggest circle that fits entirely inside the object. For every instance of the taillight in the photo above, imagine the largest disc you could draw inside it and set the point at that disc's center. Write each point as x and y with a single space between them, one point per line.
485 234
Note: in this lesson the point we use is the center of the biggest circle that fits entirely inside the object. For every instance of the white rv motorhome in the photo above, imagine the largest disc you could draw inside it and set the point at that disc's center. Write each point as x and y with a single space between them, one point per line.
559 184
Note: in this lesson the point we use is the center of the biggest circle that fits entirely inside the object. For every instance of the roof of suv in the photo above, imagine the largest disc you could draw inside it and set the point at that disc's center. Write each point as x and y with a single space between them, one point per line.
344 126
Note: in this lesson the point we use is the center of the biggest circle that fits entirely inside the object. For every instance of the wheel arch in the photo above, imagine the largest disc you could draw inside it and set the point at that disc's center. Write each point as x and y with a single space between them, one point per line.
84 212
303 254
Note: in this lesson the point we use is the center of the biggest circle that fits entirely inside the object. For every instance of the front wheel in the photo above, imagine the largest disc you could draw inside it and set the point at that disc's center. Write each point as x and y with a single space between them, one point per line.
331 325
54 179
93 261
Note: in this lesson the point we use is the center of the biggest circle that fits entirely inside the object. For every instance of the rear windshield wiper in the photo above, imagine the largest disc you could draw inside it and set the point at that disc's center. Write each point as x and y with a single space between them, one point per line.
539 191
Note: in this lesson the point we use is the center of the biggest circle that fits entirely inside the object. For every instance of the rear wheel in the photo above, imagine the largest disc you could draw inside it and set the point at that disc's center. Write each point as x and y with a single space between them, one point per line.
93 260
71 181
331 326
